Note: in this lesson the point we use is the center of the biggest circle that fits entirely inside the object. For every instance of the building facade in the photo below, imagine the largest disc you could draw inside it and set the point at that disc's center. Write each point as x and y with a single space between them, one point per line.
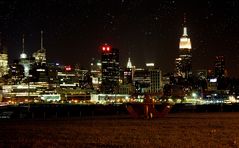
156 80
184 61
219 67
3 60
3 63
110 69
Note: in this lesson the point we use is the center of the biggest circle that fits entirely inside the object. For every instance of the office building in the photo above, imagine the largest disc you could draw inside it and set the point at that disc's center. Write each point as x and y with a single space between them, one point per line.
3 60
219 67
184 61
110 69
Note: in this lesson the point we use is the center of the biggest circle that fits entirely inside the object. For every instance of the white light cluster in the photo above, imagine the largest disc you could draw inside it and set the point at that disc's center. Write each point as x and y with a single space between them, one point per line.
185 43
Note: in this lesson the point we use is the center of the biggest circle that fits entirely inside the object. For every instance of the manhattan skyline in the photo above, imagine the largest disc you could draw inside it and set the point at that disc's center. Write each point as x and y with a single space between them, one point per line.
142 30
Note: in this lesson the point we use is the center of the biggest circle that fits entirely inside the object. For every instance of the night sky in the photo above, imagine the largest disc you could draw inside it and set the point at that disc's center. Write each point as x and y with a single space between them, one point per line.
147 31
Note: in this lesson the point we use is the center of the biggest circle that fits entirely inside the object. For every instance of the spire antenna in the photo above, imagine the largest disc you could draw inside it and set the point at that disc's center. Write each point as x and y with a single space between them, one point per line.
23 43
184 19
0 39
184 25
41 39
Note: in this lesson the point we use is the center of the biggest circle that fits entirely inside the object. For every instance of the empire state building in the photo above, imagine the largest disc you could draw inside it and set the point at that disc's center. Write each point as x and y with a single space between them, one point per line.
184 61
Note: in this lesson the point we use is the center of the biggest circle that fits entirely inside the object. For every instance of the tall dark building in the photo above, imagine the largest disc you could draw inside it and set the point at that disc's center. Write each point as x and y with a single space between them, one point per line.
128 73
16 72
110 69
184 61
219 66
142 80
39 70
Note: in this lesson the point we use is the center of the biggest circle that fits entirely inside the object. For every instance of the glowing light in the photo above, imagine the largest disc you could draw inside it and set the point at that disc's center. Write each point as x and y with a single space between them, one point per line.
185 31
213 80
194 95
129 64
40 69
150 64
68 68
23 56
232 99
185 43
106 48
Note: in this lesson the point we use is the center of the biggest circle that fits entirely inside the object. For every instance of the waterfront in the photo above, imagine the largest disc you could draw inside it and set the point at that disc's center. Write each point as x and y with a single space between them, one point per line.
54 111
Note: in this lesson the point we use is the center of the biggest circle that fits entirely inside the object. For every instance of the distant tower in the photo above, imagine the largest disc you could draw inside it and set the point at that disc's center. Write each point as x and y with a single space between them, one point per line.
184 61
40 55
23 55
39 69
129 64
24 61
219 66
128 73
3 59
110 69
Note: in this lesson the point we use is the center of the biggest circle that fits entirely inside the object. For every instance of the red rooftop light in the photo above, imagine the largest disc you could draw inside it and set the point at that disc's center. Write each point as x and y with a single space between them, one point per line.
106 48
68 68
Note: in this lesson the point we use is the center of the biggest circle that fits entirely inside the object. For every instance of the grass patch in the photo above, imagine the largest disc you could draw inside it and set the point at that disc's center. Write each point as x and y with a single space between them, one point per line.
175 130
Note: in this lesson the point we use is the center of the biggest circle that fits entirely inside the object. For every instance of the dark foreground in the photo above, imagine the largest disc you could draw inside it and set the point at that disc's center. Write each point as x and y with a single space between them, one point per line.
175 130
49 111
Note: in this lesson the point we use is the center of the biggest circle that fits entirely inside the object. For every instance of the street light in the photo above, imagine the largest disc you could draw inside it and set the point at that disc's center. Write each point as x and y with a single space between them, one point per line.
194 95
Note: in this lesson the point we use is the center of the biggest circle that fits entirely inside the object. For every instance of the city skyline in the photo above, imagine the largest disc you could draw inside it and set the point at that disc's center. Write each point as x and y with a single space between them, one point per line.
144 31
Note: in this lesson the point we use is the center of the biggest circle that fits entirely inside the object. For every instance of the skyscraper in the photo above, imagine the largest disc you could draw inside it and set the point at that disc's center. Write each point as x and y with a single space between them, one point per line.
3 59
219 66
39 70
40 55
110 69
184 61
156 80
24 61
129 64
128 73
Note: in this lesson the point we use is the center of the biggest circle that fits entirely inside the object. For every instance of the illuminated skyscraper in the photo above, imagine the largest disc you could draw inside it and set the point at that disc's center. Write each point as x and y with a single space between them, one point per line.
184 61
129 64
3 59
110 69
24 61
39 68
40 55
128 73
